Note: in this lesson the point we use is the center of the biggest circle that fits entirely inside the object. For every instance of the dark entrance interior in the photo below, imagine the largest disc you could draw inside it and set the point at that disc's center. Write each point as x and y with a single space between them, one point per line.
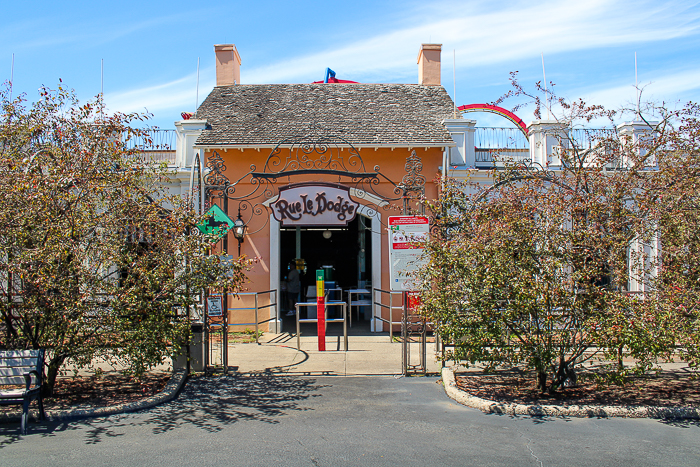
345 251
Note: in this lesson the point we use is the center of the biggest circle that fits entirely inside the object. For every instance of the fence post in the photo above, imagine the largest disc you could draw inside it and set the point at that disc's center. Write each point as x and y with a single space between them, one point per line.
256 320
391 317
404 339
224 337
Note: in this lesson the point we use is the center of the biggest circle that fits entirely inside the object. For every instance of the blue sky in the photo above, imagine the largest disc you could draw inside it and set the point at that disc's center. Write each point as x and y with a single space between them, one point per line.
150 48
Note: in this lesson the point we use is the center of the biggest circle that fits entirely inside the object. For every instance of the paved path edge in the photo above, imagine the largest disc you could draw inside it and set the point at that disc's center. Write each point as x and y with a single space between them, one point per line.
584 411
169 392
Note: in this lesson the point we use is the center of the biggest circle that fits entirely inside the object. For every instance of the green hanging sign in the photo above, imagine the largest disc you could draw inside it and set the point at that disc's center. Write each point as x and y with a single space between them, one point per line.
216 222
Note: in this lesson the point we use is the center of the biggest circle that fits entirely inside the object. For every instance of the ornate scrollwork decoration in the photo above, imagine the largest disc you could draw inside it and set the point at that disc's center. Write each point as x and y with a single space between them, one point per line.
269 190
216 191
372 184
252 214
216 167
230 191
436 230
413 181
313 151
523 169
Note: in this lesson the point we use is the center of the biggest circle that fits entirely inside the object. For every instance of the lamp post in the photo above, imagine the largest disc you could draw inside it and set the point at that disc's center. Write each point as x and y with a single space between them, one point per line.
239 228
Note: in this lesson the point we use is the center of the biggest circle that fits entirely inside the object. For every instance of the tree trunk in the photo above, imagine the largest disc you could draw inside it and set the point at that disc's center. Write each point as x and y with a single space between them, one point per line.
541 380
565 375
54 365
620 364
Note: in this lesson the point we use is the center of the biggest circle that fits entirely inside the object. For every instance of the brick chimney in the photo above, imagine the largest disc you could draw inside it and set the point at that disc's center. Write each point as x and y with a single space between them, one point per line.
228 65
429 64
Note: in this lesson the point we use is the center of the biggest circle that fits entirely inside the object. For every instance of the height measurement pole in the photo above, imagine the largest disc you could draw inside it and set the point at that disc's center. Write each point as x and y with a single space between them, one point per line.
224 338
320 310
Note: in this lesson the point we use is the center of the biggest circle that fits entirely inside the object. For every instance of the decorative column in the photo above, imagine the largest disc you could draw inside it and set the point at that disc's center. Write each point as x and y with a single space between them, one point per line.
633 135
187 132
548 139
462 132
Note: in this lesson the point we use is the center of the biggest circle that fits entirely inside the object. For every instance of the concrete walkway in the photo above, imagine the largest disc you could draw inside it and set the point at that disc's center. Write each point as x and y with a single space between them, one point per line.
366 355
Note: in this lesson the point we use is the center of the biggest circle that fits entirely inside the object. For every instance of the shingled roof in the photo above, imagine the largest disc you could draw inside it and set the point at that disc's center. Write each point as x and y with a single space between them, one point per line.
362 114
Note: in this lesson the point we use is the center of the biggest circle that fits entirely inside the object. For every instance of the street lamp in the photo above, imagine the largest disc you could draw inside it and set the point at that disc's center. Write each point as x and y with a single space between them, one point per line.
239 228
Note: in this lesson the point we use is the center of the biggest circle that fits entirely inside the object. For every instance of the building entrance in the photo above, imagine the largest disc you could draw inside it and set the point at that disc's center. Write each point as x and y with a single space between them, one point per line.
345 253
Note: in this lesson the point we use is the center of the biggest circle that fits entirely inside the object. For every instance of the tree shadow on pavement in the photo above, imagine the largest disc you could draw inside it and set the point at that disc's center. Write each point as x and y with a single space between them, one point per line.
535 418
213 402
681 423
95 429
9 434
210 403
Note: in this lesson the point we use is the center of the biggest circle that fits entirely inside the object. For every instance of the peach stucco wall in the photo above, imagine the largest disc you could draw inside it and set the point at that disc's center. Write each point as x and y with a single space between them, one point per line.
257 245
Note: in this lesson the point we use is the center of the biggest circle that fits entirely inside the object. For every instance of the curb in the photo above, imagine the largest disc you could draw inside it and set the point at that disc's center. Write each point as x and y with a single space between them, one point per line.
169 392
583 411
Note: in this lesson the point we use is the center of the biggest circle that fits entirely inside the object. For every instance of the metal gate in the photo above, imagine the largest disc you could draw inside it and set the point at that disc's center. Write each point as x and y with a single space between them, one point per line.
217 332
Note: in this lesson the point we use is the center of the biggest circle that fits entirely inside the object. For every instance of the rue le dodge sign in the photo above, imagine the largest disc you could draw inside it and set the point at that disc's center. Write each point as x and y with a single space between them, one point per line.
307 204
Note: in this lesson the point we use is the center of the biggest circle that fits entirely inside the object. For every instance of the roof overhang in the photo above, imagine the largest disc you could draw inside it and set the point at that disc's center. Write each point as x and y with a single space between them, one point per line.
392 146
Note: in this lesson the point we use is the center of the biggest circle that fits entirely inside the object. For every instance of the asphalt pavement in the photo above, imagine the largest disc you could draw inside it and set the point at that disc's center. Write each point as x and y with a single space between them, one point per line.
265 419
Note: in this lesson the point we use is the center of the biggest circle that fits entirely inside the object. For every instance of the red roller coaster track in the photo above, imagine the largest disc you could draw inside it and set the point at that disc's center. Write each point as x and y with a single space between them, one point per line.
495 110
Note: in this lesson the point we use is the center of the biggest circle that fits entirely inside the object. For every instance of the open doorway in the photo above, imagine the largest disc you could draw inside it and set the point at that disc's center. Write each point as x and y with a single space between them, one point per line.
345 253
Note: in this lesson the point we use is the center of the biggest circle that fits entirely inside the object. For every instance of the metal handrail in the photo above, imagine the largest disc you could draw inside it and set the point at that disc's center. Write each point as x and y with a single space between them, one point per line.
344 319
501 155
153 146
257 308
493 138
589 138
152 140
390 307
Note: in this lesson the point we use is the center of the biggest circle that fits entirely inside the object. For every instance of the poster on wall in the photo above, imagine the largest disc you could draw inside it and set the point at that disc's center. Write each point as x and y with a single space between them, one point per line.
407 237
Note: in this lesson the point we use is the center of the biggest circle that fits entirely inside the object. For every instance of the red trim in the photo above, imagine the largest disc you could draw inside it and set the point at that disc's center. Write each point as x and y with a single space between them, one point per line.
495 110
335 80
321 322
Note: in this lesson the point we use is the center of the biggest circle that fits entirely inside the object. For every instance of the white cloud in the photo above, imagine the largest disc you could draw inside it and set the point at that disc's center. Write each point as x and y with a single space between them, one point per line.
622 98
504 33
673 85
46 32
179 94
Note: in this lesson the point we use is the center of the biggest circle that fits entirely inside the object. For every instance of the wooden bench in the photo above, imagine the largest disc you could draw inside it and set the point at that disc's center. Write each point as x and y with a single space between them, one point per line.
22 368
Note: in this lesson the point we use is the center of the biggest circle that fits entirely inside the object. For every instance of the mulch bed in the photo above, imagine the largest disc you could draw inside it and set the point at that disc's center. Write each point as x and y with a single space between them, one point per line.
103 391
667 388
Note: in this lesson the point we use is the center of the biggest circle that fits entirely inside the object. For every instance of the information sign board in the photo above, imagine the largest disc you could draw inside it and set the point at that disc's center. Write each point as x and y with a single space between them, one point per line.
214 307
308 204
216 222
407 237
